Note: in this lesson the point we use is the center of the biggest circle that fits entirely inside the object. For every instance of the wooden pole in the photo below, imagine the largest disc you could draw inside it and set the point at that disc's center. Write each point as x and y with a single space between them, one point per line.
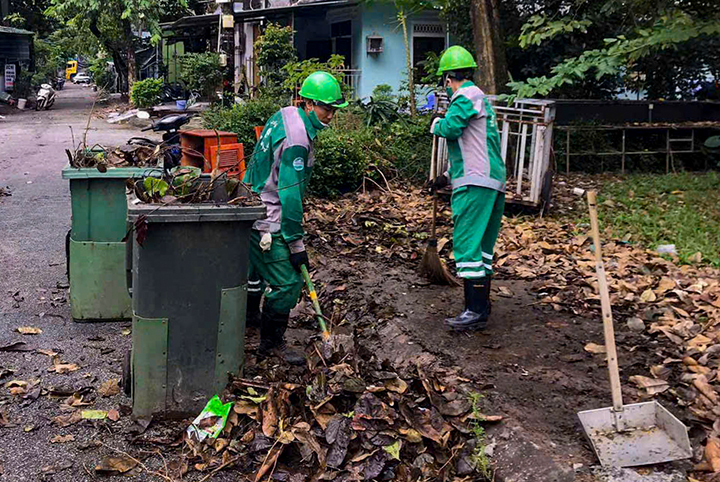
608 328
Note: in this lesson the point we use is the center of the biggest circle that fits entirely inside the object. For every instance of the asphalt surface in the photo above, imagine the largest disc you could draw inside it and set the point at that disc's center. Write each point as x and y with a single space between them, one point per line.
33 224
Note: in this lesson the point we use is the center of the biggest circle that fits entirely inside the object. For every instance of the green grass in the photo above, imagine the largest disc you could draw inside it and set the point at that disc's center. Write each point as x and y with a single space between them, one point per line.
680 209
479 457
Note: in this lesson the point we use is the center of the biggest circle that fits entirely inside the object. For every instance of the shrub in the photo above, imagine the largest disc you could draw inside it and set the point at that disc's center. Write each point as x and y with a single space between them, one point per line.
146 93
299 71
242 119
201 72
274 50
383 92
407 145
101 74
340 162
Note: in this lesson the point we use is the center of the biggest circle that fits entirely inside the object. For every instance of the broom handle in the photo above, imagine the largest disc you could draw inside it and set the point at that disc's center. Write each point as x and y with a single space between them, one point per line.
608 329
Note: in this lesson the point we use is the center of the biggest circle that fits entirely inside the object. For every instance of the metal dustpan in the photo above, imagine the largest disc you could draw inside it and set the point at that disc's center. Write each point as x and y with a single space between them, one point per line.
628 435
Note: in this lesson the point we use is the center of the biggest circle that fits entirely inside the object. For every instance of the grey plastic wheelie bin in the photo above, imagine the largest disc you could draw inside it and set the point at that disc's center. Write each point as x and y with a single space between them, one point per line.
189 291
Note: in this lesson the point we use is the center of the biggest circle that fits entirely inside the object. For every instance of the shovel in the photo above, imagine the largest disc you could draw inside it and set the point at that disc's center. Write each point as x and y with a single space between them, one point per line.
639 433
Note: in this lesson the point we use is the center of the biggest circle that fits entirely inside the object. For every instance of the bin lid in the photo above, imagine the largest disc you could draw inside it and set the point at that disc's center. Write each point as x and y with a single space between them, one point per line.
192 213
70 172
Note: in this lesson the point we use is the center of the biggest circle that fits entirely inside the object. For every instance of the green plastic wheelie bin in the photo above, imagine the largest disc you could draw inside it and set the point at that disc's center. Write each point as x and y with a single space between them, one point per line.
189 290
94 248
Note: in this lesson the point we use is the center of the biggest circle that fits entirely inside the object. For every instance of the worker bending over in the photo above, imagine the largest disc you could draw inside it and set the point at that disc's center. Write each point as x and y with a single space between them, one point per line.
477 174
279 172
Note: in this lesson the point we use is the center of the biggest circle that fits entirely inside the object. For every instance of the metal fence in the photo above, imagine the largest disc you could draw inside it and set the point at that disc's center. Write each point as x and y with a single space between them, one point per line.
526 132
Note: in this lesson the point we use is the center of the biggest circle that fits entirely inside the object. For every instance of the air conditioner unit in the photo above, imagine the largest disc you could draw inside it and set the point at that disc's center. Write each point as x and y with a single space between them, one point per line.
375 44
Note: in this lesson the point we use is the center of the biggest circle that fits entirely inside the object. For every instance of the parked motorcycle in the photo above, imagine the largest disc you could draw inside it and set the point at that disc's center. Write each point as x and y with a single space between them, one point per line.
169 126
59 83
45 97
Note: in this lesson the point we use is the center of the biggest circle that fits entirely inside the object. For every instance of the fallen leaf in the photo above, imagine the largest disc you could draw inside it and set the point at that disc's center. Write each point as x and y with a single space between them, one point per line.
701 383
61 439
595 348
49 353
94 414
109 388
64 368
126 332
505 292
28 330
394 449
113 415
648 296
116 464
67 420
17 346
651 385
712 453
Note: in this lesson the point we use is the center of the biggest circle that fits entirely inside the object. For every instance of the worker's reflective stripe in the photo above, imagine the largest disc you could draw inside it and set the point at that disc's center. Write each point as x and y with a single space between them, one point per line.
469 264
487 266
251 282
480 181
265 226
254 290
488 256
471 274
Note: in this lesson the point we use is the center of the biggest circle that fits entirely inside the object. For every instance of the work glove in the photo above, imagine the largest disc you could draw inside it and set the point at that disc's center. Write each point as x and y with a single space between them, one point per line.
298 259
438 183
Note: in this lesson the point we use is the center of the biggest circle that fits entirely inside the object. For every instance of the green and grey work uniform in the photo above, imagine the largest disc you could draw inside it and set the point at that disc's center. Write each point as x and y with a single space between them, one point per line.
279 172
477 173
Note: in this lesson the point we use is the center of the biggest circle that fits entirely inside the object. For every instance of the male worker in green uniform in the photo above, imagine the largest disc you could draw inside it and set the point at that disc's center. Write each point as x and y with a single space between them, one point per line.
279 172
477 174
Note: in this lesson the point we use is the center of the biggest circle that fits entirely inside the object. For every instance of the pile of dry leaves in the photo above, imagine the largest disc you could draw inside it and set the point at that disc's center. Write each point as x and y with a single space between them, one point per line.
649 293
350 417
129 155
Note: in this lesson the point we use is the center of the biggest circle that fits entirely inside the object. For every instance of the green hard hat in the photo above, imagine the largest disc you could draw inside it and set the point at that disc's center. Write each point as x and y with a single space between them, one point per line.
456 58
323 87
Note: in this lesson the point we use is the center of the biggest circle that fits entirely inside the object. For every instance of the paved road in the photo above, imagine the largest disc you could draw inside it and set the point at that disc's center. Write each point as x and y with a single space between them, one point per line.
33 223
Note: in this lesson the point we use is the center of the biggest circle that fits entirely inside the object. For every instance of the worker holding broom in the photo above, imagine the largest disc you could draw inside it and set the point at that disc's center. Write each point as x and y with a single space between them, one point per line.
477 174
279 172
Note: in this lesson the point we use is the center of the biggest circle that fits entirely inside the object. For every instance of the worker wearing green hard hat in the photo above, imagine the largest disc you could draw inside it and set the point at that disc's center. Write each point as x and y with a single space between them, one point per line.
279 172
476 172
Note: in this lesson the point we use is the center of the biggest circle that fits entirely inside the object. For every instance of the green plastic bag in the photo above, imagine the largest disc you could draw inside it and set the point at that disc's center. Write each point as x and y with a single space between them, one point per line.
211 420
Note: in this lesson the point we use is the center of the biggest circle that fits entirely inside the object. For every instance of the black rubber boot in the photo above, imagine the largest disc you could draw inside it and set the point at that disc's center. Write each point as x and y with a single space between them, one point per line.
252 317
272 338
477 306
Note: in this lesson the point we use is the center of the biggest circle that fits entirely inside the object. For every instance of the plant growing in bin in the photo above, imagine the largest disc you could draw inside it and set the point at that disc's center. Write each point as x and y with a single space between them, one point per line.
185 185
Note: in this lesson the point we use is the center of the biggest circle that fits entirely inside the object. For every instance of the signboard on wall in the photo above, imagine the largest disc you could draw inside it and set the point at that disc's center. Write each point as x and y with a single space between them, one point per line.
9 77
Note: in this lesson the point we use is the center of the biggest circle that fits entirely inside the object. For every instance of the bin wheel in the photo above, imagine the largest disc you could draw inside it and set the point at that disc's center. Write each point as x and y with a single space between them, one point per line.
127 374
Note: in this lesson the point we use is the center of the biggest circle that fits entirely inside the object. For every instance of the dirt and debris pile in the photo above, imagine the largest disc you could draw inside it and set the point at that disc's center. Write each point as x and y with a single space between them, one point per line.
348 418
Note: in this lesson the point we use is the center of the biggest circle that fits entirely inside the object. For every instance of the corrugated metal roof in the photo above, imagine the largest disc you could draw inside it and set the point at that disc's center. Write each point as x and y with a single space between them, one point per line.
15 31
212 19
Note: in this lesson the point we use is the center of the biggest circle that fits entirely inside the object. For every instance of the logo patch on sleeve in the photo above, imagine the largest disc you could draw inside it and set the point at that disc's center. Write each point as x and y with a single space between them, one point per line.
299 164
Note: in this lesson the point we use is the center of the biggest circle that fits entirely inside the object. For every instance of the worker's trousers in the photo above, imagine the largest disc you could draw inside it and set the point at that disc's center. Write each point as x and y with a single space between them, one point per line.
477 215
272 269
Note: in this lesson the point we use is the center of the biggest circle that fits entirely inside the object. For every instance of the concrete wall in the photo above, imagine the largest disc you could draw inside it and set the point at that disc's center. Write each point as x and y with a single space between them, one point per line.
388 67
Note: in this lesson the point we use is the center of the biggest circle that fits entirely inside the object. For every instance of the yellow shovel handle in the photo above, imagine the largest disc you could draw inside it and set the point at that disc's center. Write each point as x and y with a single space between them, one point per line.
315 302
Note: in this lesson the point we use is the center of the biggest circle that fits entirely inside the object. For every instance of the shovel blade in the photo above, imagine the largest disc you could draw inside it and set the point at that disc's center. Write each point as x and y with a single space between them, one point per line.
651 435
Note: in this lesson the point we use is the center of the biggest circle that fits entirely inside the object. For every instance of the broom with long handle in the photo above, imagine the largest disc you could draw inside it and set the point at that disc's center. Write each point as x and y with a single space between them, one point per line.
431 265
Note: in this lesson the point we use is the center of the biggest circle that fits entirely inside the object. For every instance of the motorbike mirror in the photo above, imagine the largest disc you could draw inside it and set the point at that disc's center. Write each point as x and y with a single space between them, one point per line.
143 114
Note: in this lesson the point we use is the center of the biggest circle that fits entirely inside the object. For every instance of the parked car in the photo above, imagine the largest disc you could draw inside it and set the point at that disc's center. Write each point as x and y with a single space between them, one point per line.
82 79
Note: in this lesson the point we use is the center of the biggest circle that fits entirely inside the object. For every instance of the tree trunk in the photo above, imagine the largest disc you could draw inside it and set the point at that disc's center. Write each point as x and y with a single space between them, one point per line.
411 78
492 74
131 67
116 52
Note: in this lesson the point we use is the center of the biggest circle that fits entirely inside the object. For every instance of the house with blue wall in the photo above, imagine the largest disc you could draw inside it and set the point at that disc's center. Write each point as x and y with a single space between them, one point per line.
368 35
